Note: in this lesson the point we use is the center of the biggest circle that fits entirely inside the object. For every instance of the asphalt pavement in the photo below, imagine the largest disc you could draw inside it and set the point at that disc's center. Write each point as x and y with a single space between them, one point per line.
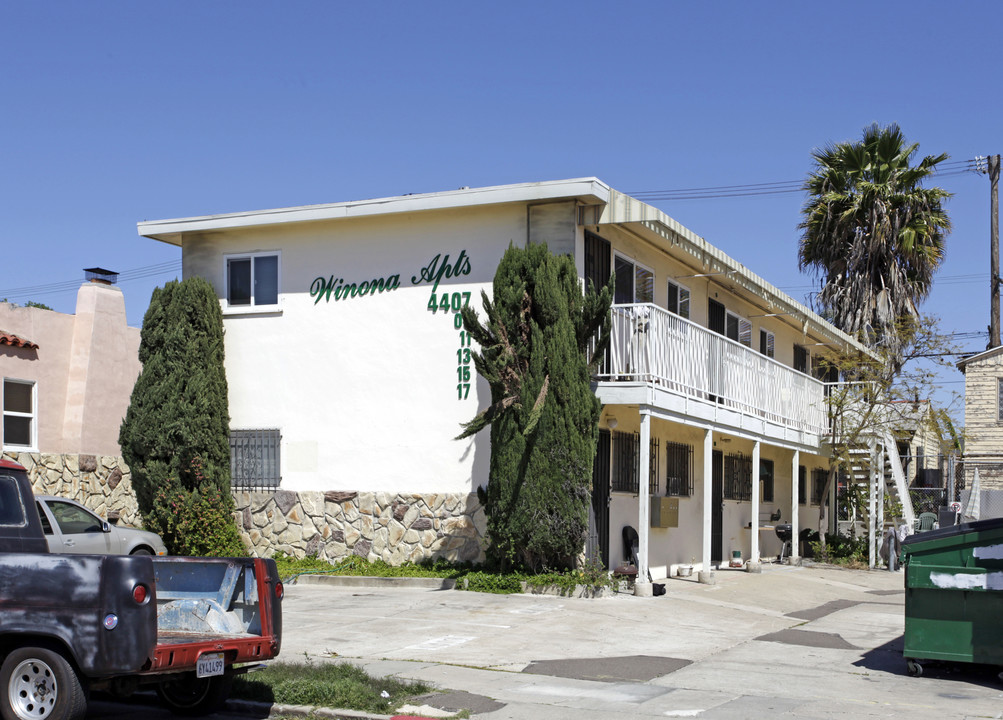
791 642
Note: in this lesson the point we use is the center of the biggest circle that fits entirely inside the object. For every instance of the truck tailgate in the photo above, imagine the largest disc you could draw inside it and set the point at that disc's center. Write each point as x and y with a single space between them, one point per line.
227 605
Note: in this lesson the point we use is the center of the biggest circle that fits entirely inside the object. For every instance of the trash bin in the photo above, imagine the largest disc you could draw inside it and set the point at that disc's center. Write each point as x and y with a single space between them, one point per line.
954 595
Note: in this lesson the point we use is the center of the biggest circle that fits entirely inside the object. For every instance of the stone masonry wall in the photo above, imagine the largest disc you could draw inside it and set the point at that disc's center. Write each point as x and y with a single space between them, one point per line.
394 527
100 482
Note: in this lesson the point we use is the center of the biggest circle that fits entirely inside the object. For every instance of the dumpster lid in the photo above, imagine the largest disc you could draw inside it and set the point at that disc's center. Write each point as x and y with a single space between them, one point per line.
977 526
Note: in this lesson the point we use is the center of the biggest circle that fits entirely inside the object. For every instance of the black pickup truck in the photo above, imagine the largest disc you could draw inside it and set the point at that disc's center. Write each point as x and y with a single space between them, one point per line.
74 623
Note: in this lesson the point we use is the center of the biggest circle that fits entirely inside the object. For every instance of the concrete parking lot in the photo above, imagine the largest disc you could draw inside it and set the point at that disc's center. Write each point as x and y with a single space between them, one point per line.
806 642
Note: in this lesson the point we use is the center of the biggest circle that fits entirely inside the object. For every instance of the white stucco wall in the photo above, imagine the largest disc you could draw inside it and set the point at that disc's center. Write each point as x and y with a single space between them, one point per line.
363 389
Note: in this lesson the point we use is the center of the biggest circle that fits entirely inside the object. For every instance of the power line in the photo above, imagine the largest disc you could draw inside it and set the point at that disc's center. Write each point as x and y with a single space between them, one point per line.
945 169
139 273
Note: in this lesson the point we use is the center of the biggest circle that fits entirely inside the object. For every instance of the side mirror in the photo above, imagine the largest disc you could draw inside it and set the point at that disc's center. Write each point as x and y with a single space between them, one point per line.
105 527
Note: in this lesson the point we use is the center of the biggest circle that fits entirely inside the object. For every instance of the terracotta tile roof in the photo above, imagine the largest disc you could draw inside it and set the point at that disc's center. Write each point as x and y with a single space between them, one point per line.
14 341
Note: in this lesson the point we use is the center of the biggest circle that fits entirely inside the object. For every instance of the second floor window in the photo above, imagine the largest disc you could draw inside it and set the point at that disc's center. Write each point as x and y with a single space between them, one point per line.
767 343
252 279
679 300
634 283
738 328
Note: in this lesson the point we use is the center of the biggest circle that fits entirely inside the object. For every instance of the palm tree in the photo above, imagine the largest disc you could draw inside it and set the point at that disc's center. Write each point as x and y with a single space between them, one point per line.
873 233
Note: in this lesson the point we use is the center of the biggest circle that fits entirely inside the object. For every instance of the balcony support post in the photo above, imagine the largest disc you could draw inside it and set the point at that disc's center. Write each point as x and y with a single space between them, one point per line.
754 520
795 502
644 507
708 480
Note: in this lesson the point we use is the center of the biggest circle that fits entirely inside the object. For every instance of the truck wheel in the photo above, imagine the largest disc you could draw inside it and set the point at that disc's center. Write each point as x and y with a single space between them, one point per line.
40 683
191 696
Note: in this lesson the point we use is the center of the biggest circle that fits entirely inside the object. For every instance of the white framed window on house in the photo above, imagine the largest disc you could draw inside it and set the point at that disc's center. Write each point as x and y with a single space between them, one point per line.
679 299
634 283
738 328
767 343
999 399
20 416
252 280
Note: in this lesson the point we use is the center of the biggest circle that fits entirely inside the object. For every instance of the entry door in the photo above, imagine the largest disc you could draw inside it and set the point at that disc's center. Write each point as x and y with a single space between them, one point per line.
716 506
599 512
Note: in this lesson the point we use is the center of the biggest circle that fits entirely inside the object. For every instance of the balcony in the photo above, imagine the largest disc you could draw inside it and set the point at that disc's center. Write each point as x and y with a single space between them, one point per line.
698 373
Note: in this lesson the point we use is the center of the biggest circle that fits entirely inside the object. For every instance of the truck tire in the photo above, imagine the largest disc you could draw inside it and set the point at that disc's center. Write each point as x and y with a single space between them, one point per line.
191 696
40 683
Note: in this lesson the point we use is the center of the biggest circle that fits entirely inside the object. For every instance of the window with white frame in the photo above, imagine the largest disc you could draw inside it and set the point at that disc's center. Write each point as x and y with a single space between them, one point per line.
999 399
679 299
767 343
19 414
634 283
738 328
252 279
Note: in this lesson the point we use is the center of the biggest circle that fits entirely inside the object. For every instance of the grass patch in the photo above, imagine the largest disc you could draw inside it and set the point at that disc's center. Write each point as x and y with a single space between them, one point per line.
335 685
467 577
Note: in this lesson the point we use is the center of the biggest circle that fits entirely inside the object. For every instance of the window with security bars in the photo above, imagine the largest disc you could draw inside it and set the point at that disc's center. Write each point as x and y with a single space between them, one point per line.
626 448
653 467
678 469
818 478
254 459
766 481
737 477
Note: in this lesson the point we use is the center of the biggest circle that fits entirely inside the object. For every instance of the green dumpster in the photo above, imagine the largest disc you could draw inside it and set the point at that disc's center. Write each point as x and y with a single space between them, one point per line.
954 595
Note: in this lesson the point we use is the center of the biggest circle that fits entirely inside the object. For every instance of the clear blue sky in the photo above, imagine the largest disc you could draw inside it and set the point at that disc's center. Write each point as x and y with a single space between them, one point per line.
117 112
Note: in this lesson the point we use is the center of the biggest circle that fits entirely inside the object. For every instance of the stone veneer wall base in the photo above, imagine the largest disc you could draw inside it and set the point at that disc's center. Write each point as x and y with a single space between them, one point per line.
393 527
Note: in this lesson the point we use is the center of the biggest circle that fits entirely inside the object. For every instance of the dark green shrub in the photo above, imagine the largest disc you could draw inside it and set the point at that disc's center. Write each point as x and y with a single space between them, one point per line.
840 550
490 583
175 435
543 414
198 522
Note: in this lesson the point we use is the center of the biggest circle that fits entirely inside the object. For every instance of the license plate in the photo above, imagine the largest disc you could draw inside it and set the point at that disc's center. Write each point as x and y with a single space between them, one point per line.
209 664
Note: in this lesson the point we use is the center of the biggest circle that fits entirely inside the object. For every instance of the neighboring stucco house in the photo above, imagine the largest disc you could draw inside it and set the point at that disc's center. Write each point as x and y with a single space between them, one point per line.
67 380
349 374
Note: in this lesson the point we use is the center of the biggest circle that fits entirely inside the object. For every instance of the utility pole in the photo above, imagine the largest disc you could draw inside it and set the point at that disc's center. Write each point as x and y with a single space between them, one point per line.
994 251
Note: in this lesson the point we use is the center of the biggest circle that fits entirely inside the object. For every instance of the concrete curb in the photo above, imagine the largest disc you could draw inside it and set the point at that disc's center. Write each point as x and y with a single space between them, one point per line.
245 707
363 581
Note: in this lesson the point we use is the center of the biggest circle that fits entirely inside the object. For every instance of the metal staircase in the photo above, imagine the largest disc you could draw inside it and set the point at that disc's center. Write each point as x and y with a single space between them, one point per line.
878 468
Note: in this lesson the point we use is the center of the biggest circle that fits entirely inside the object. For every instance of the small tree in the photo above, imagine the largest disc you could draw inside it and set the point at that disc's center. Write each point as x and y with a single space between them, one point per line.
175 433
879 398
543 414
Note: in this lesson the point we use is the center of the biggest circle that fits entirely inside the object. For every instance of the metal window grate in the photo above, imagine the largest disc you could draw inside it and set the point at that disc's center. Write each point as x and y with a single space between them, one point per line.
254 459
678 469
626 447
738 477
653 467
818 479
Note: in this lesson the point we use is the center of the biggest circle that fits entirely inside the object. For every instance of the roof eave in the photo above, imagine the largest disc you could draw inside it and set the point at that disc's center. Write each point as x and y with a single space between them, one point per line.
589 191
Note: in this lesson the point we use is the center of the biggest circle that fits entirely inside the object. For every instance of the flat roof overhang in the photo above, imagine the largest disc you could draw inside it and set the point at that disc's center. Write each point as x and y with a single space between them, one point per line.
587 191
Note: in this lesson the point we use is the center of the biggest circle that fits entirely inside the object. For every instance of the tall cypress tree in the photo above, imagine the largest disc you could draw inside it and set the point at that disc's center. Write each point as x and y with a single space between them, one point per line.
175 433
543 414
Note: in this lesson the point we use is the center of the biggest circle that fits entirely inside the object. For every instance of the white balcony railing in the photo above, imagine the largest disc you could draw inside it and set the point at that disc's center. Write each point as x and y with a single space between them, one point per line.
651 345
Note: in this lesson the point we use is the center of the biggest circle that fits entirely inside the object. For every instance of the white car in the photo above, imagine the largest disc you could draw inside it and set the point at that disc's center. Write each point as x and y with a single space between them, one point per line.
71 528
